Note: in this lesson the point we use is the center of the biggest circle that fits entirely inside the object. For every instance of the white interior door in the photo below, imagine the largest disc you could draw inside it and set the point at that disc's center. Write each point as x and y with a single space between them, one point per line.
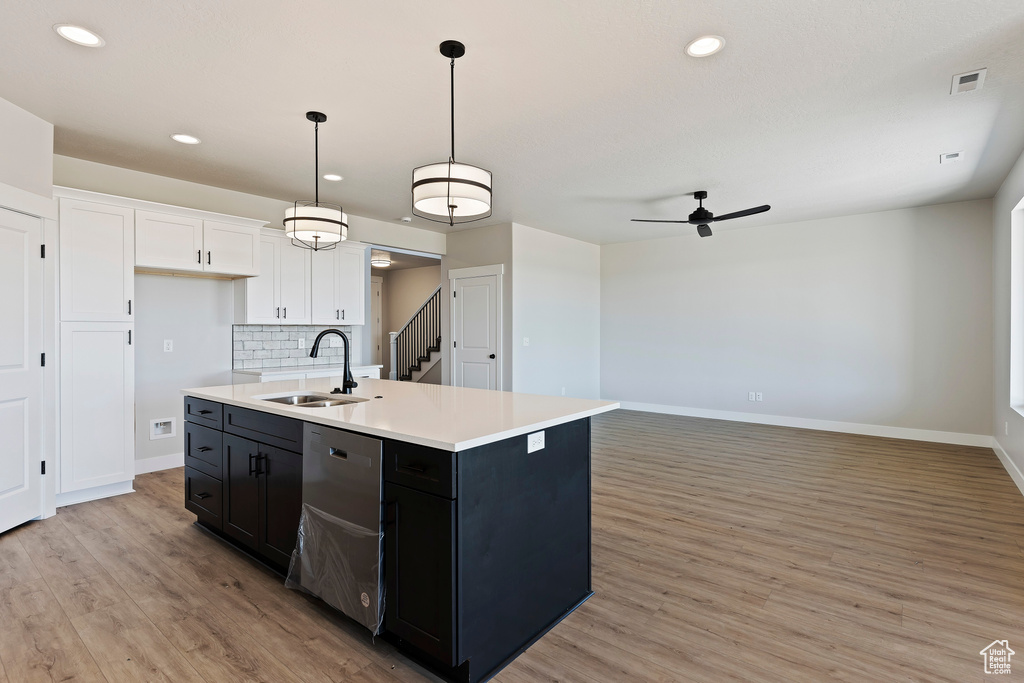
377 329
97 261
475 326
97 405
21 376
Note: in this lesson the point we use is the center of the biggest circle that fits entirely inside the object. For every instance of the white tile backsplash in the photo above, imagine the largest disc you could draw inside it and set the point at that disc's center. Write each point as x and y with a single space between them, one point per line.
277 346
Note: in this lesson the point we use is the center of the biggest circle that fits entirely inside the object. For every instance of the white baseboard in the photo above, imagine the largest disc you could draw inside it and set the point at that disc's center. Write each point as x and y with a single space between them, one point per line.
94 493
1011 467
960 439
162 462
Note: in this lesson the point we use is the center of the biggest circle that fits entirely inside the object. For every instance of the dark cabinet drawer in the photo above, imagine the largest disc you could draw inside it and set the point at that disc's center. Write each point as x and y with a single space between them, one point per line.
203 497
274 430
203 450
420 468
203 412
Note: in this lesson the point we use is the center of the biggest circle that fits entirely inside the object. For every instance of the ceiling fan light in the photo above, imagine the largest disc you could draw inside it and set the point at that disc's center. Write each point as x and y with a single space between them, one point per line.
451 190
316 224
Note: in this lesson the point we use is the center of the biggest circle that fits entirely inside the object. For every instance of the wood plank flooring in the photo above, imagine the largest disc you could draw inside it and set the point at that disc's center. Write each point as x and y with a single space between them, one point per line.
722 552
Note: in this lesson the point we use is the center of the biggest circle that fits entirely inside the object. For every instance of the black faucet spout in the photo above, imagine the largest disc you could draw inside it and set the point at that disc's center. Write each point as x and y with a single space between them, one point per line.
348 383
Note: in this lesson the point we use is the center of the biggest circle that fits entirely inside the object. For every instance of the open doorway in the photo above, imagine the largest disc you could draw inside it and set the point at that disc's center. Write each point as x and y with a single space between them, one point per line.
405 301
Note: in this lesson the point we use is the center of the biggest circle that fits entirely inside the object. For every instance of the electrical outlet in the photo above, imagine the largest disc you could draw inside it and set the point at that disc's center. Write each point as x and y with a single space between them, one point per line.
534 442
751 396
760 396
336 342
526 341
168 345
302 343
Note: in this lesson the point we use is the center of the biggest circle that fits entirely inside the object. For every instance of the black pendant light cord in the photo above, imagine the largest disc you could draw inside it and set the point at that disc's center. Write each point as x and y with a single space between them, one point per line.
453 108
316 163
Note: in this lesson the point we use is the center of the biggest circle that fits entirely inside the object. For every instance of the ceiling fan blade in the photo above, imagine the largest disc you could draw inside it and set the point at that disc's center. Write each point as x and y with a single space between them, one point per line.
648 220
741 214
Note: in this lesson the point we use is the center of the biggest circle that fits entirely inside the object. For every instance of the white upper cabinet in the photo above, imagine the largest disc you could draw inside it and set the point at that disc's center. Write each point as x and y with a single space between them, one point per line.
351 285
297 286
168 242
231 249
97 256
280 295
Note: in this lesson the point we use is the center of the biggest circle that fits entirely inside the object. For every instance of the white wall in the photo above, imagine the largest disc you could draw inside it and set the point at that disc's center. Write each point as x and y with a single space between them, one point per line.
876 319
26 162
556 303
485 246
1008 252
196 314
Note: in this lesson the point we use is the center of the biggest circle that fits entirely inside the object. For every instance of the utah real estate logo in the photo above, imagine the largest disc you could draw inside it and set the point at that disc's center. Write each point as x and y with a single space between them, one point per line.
997 657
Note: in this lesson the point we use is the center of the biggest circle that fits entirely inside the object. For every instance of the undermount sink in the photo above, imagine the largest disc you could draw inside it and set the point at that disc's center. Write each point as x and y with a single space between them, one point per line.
313 400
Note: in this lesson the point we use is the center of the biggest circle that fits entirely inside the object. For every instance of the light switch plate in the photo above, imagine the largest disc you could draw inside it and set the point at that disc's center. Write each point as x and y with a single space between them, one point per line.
168 345
534 442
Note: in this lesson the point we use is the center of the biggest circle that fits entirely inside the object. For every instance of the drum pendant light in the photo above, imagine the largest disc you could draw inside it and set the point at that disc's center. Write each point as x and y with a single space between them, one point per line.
448 191
314 224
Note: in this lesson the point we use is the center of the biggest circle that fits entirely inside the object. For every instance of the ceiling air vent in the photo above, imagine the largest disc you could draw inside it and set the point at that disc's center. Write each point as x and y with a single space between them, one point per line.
968 82
950 157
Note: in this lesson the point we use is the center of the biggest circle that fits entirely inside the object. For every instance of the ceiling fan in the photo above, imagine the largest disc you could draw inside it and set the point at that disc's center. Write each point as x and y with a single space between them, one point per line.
702 217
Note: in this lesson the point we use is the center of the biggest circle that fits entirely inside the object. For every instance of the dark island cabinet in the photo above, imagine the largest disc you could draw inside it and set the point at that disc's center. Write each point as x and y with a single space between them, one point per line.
243 487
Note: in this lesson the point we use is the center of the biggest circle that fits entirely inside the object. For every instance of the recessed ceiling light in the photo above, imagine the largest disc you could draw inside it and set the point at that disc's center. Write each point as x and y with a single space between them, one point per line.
705 46
78 35
185 139
334 177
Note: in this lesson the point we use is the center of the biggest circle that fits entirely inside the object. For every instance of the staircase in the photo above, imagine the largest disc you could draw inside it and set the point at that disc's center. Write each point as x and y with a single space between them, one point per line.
417 346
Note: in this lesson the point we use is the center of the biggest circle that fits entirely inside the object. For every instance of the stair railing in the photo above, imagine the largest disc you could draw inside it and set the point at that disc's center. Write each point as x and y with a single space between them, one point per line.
420 335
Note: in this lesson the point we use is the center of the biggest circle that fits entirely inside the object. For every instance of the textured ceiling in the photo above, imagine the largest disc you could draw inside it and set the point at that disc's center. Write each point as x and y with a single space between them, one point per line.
587 111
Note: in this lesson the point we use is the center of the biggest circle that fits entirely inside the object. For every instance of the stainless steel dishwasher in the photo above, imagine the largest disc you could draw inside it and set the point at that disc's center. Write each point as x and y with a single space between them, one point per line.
339 556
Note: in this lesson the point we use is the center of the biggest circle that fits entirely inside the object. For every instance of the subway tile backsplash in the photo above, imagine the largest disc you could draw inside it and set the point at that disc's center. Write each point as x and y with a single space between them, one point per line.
277 346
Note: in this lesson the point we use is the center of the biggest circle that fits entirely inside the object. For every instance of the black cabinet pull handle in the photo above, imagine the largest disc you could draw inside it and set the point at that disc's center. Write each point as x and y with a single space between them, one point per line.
208 258
261 459
199 256
129 337
410 468
203 449
129 306
205 412
337 314
285 311
202 496
343 314
252 466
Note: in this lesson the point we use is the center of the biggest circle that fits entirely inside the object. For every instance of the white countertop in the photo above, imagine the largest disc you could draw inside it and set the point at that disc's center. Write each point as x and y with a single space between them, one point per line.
434 415
325 367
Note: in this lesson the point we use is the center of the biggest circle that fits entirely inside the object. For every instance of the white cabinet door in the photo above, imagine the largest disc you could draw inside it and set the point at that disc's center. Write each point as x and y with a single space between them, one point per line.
168 242
231 249
295 284
351 285
97 405
97 261
21 377
262 293
326 310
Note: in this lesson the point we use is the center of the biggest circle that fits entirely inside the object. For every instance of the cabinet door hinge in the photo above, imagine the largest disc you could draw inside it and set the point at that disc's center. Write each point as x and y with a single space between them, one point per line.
42 251
42 470
42 360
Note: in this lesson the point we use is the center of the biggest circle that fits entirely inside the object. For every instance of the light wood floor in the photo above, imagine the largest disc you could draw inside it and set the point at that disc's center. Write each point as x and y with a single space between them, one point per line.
722 551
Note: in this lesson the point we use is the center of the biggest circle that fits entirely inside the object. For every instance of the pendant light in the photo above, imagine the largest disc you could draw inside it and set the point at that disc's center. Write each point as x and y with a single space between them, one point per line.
448 191
314 224
380 258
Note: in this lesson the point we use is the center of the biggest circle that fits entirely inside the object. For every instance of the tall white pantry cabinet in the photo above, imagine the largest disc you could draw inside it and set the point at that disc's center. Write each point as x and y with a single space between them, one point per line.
102 241
97 358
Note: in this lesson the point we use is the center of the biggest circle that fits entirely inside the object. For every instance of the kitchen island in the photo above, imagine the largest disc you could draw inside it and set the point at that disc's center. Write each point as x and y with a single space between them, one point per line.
485 495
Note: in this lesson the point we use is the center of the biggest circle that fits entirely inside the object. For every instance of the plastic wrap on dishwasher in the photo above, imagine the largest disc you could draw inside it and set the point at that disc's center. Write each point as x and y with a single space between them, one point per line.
333 559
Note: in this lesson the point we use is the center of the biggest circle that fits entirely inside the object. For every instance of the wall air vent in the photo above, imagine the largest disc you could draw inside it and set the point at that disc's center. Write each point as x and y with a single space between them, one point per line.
968 82
950 157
